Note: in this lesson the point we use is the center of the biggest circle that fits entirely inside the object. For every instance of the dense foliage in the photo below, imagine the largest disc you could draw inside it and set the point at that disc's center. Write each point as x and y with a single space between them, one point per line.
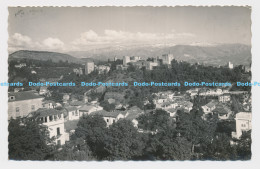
28 140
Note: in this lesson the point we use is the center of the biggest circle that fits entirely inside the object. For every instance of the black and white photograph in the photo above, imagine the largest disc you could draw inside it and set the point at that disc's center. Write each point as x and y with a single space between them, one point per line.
138 83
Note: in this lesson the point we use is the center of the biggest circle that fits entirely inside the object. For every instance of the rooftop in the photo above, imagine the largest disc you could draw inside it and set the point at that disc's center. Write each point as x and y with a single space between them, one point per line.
104 113
25 95
212 103
70 108
76 103
43 112
244 115
86 107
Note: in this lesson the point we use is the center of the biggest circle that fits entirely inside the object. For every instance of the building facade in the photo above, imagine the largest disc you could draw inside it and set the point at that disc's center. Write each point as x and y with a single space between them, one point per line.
89 67
54 120
20 104
243 123
167 59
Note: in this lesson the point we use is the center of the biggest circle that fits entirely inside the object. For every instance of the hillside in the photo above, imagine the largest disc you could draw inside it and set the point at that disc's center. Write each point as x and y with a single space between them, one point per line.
214 55
43 55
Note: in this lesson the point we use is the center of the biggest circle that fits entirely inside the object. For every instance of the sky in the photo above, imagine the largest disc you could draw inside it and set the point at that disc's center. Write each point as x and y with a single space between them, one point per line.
84 28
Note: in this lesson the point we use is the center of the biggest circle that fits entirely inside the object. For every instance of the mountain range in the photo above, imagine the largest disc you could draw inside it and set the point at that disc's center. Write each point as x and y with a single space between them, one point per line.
211 55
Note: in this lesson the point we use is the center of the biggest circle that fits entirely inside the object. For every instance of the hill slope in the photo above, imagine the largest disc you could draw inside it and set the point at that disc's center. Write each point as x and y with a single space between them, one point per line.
43 55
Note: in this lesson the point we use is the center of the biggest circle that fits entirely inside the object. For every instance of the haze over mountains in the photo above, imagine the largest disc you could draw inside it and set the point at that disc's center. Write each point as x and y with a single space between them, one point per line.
212 54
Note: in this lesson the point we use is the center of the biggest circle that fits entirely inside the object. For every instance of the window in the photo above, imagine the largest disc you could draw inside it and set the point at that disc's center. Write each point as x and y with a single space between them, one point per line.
33 107
58 131
114 121
45 120
59 142
17 110
12 97
77 113
107 120
50 118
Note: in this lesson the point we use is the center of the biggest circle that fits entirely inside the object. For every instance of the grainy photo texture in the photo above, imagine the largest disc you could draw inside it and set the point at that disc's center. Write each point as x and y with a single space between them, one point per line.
129 83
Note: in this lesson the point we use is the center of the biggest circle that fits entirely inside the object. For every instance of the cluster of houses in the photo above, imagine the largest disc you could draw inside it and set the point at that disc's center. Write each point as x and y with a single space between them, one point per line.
26 104
90 67
171 103
220 106
148 64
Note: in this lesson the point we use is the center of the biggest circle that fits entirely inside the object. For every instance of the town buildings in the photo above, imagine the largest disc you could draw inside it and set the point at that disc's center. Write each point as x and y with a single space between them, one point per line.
78 71
128 59
102 69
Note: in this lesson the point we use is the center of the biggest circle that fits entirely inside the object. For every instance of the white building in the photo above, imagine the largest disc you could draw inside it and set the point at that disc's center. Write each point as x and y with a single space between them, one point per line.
54 120
208 108
87 109
109 117
151 65
230 65
72 113
78 71
224 98
89 67
128 59
103 69
43 90
243 123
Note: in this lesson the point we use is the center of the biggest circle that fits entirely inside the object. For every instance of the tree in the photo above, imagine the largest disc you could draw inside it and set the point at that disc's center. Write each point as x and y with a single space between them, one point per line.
219 148
93 130
106 106
28 140
244 146
167 145
194 128
123 141
155 121
74 150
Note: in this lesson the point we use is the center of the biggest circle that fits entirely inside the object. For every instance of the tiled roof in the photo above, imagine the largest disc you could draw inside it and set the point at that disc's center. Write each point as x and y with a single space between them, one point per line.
42 112
104 113
76 103
48 101
26 95
172 110
86 107
132 116
212 103
244 115
71 108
